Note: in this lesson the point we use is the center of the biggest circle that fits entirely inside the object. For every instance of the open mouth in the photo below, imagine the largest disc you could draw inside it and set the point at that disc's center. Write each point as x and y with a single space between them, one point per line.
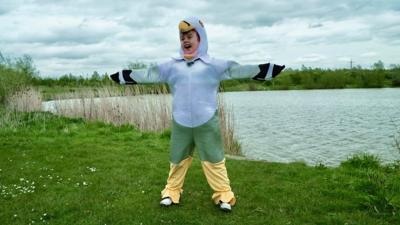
187 46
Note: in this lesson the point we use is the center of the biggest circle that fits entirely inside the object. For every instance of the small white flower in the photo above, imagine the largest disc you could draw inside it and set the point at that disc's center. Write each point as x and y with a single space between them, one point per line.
92 169
84 183
15 215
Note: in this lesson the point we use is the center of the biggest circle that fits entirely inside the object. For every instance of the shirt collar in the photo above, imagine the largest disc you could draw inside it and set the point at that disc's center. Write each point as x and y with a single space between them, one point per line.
205 58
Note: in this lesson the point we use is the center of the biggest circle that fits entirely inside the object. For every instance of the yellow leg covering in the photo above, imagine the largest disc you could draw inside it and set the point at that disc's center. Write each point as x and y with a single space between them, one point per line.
175 180
218 180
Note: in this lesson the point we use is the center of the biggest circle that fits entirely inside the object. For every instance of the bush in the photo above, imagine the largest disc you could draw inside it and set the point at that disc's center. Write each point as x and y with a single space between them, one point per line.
362 161
15 75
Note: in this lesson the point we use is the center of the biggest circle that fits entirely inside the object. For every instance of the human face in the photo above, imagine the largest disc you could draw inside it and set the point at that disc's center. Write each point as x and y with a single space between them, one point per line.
189 41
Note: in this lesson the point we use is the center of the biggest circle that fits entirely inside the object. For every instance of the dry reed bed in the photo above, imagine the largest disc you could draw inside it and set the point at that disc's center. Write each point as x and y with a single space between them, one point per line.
146 109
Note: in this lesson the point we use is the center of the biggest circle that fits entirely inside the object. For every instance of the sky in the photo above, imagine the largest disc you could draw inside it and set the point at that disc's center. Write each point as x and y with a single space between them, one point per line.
83 36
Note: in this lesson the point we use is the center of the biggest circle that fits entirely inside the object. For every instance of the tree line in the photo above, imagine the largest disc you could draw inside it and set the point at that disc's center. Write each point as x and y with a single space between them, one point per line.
16 73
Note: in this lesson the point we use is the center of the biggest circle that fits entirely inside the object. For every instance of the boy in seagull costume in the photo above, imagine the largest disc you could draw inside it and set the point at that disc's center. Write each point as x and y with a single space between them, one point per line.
194 78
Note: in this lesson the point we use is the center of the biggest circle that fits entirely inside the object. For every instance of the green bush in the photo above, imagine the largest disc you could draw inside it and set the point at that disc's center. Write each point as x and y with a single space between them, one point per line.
365 161
15 75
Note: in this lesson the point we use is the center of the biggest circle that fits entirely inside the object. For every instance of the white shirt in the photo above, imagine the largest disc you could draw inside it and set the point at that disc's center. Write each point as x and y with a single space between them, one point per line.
194 85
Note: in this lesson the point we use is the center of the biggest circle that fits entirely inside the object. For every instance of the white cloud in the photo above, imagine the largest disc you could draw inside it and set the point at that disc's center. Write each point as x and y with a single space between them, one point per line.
82 36
368 54
311 58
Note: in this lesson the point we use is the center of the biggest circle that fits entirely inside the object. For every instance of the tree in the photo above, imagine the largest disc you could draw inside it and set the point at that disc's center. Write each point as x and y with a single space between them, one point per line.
95 76
25 65
378 65
136 65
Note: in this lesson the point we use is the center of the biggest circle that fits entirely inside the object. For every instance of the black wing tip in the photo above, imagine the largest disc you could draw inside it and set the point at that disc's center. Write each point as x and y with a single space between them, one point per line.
115 77
126 74
277 70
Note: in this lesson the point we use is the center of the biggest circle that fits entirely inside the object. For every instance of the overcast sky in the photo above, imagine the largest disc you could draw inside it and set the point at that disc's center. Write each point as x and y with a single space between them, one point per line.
81 36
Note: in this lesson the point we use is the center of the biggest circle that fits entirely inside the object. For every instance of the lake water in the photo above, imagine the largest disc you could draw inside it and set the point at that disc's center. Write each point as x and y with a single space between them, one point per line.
316 126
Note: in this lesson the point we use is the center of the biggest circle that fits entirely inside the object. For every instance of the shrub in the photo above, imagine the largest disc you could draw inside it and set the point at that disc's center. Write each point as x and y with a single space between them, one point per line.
15 75
362 161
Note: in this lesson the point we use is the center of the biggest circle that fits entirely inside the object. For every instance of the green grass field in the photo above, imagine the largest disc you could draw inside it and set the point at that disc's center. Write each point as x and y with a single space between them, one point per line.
55 170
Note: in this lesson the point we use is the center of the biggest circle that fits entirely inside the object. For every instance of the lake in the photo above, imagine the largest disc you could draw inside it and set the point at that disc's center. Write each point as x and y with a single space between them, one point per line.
317 126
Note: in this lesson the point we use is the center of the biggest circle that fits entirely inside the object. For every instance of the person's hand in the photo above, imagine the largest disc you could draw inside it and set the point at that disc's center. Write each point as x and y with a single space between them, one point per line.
126 78
268 71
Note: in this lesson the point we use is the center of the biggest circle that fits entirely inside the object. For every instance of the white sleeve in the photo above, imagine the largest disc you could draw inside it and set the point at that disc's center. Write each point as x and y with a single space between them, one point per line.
149 75
236 71
260 72
153 74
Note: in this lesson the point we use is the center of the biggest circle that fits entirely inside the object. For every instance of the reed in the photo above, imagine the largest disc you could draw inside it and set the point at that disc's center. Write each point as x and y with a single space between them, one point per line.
26 100
147 112
145 108
231 145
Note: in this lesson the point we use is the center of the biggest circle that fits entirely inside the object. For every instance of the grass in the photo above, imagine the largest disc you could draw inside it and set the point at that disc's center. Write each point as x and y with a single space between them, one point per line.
56 170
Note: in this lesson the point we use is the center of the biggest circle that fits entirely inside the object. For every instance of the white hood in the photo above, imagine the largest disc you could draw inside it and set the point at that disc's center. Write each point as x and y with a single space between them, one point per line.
198 26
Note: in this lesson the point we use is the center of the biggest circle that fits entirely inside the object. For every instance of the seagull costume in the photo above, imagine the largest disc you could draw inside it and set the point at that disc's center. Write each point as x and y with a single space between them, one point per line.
194 83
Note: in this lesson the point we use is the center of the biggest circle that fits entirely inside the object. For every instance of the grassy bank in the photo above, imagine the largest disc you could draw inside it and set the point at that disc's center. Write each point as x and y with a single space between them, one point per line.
55 170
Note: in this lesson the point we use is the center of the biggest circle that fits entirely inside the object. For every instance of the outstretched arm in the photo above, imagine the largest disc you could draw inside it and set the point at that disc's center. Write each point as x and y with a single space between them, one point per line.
260 72
153 74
